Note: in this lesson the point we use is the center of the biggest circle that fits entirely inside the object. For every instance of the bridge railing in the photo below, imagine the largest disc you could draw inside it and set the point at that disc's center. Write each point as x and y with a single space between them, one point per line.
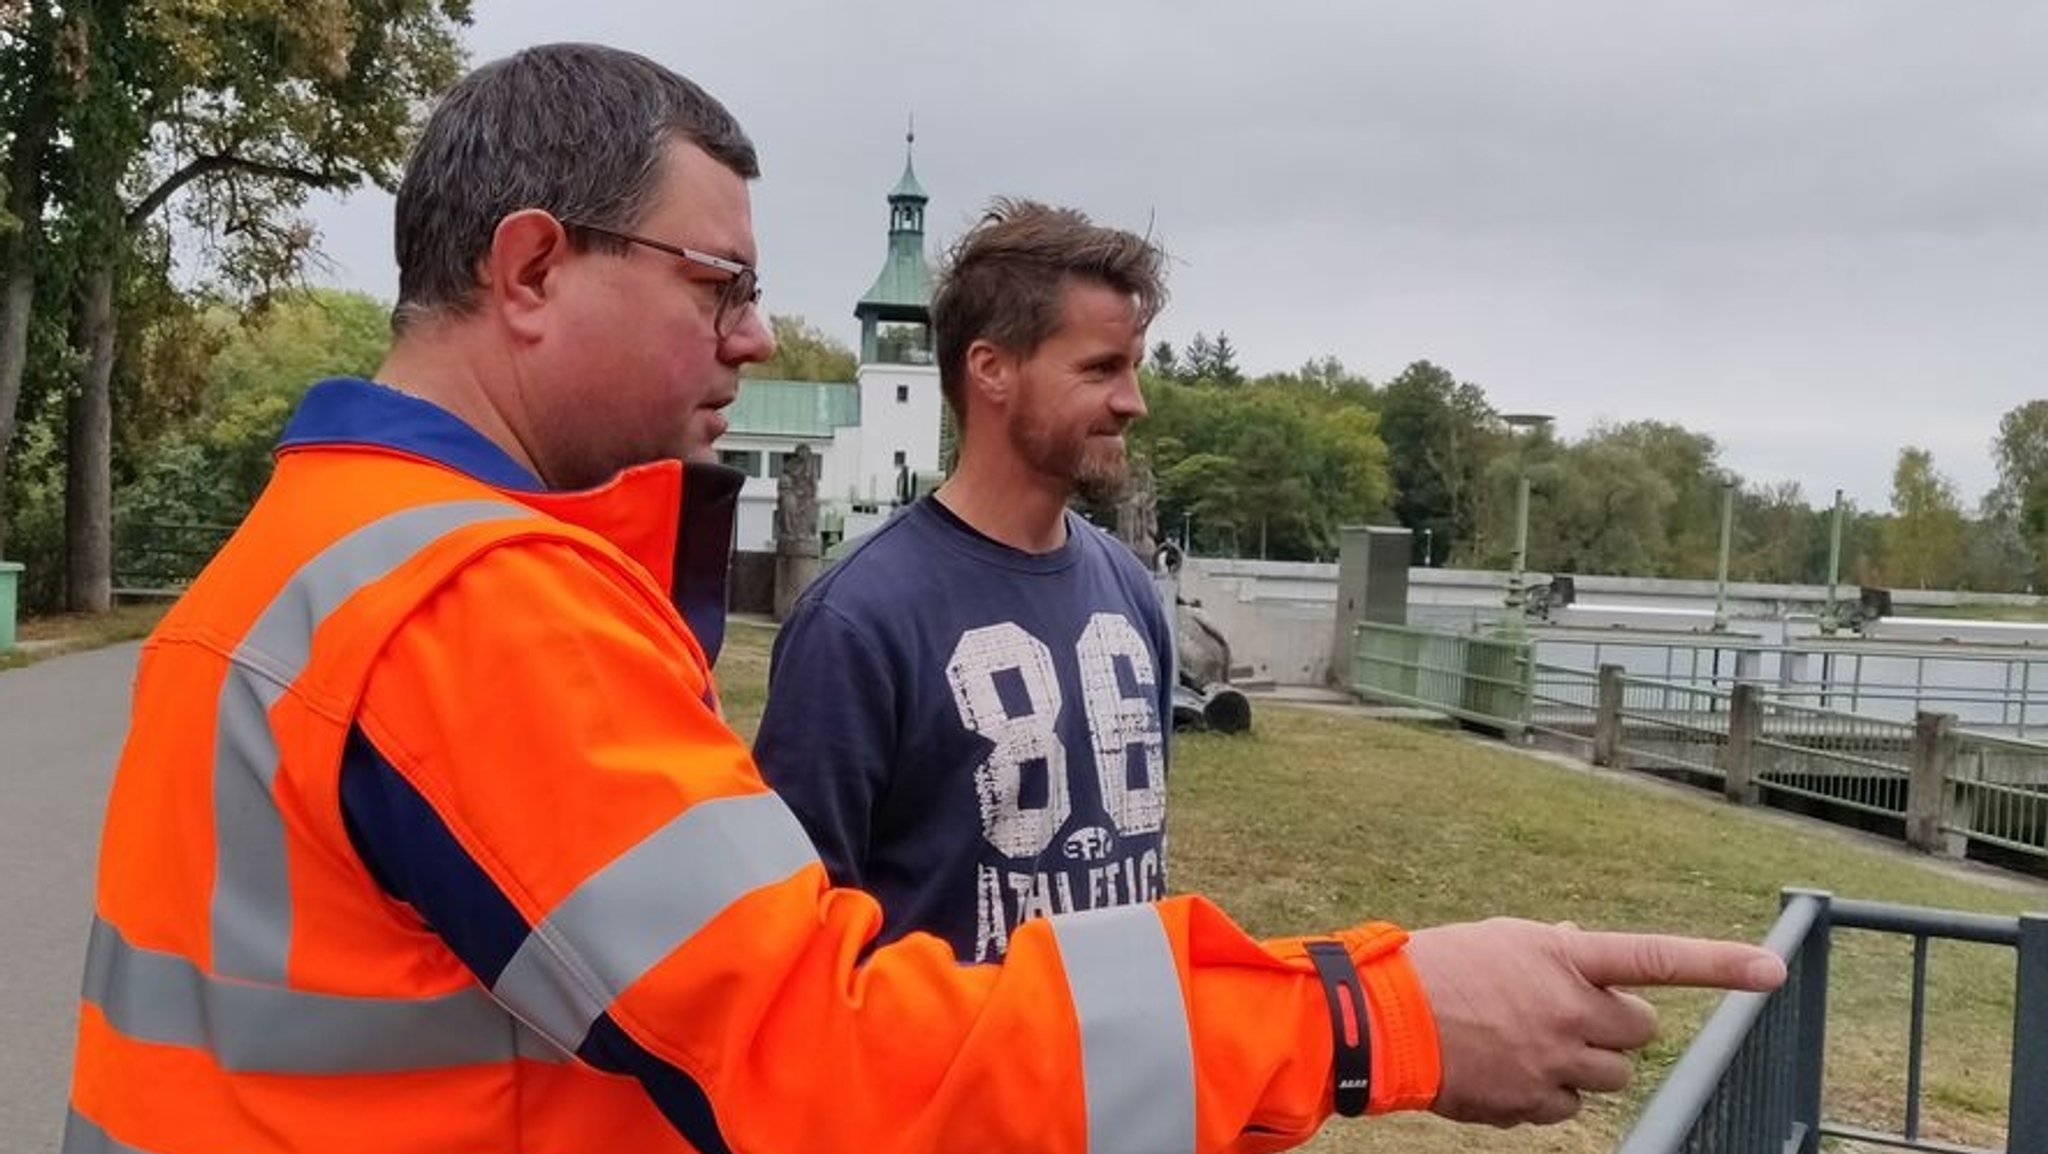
1944 786
2002 688
1652 724
1755 1077
1846 759
1996 792
1487 681
1563 703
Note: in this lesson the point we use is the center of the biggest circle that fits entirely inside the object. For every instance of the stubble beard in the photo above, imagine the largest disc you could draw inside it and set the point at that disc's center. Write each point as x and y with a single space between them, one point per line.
1095 469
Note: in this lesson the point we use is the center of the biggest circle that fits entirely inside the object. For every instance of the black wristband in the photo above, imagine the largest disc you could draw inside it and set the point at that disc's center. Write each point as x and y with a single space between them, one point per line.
1350 1033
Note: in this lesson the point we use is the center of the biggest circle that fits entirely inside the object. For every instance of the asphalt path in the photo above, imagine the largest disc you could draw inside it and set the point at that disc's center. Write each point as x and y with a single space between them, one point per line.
61 724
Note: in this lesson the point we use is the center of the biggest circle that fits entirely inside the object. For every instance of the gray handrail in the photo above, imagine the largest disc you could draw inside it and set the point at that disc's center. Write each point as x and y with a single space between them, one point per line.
1678 1103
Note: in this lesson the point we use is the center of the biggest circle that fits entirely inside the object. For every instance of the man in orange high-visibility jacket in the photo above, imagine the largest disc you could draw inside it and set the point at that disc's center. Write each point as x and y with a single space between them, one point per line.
428 836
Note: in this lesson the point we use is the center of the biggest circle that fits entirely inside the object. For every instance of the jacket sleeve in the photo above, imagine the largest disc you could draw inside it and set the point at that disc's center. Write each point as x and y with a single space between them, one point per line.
629 887
827 742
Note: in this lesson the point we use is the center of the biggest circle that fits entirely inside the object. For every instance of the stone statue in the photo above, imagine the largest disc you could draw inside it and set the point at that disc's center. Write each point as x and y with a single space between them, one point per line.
796 502
1137 513
797 545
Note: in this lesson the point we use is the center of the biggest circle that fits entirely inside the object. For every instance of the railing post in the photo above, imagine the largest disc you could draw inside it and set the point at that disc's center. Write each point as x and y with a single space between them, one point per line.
1359 656
1607 715
1745 724
1525 661
1810 971
2027 1128
1934 757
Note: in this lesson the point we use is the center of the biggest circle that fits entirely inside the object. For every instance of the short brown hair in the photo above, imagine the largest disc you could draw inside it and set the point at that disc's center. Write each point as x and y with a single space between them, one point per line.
1005 281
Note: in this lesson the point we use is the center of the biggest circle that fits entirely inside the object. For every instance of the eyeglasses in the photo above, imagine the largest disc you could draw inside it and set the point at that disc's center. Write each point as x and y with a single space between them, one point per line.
740 292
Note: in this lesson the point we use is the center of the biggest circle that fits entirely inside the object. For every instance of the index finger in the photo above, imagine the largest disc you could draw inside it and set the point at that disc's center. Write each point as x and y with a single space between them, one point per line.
1661 960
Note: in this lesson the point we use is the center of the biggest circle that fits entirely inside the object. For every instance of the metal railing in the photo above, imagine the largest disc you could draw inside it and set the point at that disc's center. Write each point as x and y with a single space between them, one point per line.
1563 703
1661 725
1998 791
1949 786
163 557
1754 1078
1989 687
1863 763
1484 680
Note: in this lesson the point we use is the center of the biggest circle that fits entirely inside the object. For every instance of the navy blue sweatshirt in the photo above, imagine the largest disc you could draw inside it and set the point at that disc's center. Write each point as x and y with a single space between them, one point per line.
974 734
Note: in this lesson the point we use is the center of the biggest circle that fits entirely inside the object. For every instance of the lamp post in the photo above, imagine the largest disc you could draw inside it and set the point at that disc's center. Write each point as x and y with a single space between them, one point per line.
1515 620
1428 548
1830 614
1727 539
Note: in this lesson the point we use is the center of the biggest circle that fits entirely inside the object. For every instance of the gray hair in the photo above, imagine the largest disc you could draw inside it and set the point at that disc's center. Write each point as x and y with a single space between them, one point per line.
577 130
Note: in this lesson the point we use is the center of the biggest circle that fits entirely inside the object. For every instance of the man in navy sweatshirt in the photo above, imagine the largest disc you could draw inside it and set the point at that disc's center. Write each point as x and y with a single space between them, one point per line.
969 712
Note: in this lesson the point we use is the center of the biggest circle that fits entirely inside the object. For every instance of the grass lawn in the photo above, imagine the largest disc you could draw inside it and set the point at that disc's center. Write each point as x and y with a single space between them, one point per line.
1323 819
1318 819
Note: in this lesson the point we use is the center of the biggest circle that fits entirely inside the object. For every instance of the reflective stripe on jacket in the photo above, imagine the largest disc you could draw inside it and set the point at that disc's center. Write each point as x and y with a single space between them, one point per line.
664 964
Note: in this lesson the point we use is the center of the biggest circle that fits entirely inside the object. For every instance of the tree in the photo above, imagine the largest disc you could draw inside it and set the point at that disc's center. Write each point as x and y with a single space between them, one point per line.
1923 541
2021 450
1996 557
1325 378
232 110
1196 360
1222 366
29 100
804 353
1439 433
1204 360
1267 469
209 467
1776 532
1165 361
1604 507
1688 463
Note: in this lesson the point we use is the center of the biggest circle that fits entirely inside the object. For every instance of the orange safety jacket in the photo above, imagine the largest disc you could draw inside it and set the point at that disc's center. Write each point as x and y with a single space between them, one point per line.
622 939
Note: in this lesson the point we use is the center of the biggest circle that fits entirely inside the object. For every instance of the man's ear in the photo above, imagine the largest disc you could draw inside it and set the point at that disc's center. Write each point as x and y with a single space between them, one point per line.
520 273
991 373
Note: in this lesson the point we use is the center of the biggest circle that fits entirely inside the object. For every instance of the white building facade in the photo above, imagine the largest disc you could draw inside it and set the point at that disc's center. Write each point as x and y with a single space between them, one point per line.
874 433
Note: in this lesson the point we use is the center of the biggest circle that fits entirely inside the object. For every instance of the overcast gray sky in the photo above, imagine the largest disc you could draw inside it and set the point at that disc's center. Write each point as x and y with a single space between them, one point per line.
1817 231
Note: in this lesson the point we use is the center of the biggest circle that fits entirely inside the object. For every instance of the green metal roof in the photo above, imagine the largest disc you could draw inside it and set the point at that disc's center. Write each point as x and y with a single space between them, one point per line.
905 281
908 188
793 408
903 290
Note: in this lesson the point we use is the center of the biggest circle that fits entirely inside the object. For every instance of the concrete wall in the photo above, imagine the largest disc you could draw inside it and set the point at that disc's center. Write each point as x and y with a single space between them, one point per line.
1277 615
1280 616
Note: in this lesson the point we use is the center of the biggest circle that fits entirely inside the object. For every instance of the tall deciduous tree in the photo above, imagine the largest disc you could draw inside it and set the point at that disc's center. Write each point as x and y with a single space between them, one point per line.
1923 541
2021 449
240 108
255 367
1777 535
1689 464
1603 506
1440 433
1266 467
804 352
30 104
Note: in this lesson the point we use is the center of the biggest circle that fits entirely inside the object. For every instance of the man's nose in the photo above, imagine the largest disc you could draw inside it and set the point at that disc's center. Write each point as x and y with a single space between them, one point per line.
752 342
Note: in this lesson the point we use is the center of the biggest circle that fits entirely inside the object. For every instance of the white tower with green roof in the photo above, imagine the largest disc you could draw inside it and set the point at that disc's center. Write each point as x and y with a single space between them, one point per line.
896 312
900 401
868 431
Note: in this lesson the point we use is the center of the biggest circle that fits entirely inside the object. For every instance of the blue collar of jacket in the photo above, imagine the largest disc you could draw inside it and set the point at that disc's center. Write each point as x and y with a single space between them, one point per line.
676 522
